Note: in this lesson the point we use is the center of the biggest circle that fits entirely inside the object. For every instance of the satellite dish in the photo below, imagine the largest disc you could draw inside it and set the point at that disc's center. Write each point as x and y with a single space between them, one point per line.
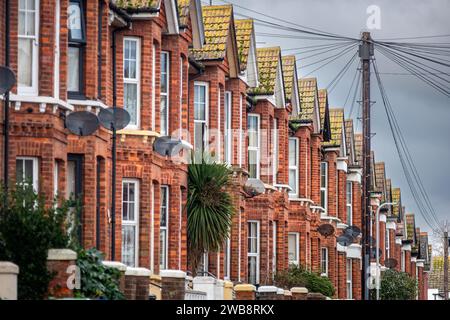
390 263
352 231
82 123
166 146
7 79
325 229
117 117
344 240
254 187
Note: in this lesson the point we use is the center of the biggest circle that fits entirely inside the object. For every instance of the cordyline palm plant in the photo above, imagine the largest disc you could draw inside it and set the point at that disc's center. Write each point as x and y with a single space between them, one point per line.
209 209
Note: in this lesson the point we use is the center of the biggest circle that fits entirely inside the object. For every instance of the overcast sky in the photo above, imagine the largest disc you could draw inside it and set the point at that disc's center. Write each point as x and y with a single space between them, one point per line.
422 112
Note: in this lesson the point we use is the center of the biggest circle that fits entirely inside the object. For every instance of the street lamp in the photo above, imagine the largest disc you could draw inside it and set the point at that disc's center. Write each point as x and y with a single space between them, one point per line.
377 249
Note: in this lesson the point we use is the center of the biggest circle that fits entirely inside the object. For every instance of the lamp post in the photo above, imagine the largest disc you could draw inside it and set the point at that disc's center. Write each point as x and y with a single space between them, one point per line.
377 249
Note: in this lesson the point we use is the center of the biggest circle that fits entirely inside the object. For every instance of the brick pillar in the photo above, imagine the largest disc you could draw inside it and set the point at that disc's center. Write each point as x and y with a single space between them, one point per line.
59 263
245 292
315 296
287 295
422 294
356 279
8 280
267 293
408 262
122 268
299 293
280 294
173 284
137 283
228 290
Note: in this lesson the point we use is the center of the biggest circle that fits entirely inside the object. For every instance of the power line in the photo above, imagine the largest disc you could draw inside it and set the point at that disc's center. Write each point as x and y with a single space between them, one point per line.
332 85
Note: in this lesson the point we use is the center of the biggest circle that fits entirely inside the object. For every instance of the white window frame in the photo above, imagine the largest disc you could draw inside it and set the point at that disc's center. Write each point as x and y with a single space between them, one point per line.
206 121
349 202
134 222
349 277
181 95
153 87
228 151
387 244
257 253
136 81
294 168
165 131
324 261
324 189
35 170
227 264
297 248
403 262
258 147
55 178
274 248
164 264
275 150
32 90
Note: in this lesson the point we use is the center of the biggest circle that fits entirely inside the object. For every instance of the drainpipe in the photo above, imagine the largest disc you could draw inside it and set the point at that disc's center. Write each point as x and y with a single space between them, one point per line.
114 143
6 109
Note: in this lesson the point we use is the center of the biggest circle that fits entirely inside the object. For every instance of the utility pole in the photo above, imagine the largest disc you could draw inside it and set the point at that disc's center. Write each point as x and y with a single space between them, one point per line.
365 54
445 265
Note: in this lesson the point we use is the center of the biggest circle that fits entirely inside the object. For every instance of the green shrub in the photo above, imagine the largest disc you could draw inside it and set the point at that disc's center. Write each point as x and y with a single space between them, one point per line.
298 276
97 280
28 229
396 285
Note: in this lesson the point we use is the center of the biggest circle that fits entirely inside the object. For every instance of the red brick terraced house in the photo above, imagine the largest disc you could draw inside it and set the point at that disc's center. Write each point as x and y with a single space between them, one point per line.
195 74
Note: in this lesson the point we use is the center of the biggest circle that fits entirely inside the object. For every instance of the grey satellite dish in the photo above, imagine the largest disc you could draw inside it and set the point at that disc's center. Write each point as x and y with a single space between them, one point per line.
344 240
166 146
82 123
352 231
117 117
325 229
7 79
390 263
254 187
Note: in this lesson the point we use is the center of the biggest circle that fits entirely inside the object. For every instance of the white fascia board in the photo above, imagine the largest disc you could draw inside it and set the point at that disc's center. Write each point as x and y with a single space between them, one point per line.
342 164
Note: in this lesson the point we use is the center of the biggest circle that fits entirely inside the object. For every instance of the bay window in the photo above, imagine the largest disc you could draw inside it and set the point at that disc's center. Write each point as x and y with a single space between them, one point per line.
324 185
349 199
28 47
293 166
164 94
27 172
293 248
324 261
131 79
77 42
164 228
228 133
130 218
253 124
201 105
253 252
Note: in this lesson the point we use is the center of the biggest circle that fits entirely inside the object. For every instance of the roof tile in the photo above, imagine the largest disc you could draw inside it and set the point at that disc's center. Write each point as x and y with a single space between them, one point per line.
336 127
244 31
268 59
288 63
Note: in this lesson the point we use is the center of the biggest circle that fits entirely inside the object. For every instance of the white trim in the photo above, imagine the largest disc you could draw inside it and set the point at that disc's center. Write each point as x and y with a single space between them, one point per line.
349 280
294 167
88 103
275 151
383 217
172 16
166 94
56 62
391 225
274 247
38 99
135 221
181 95
219 118
206 120
136 81
228 132
342 164
257 253
324 188
322 250
32 90
55 178
240 130
165 263
35 162
297 248
258 147
152 228
349 205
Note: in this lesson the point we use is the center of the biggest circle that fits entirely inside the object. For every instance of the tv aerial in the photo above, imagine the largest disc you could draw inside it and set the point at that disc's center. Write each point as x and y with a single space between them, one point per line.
325 229
254 187
7 80
82 123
